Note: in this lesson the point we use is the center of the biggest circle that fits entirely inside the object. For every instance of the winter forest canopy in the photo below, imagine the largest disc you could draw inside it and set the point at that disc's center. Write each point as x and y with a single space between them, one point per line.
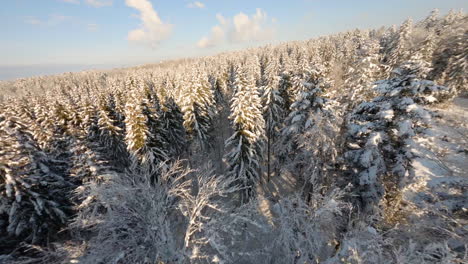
306 152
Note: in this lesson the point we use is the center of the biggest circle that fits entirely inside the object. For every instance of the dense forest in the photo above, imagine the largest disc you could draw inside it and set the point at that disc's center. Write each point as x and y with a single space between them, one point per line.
303 152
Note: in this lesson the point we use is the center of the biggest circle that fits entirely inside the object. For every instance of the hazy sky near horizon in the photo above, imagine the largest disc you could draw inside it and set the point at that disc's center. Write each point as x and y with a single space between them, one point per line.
68 35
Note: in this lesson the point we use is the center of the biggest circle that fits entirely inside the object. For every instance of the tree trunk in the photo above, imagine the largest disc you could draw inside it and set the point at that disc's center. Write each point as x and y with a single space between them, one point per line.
268 155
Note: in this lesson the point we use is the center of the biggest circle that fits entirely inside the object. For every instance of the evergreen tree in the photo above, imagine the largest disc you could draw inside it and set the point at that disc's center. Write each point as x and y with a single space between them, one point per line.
456 72
175 134
309 138
362 73
285 81
34 199
380 130
142 135
302 73
431 21
245 146
197 106
273 107
400 46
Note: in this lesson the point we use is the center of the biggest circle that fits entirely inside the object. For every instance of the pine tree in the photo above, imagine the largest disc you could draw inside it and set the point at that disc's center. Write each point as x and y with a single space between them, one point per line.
246 144
309 137
157 140
302 73
449 58
197 106
456 73
285 81
399 47
431 21
273 107
136 131
362 73
380 130
175 134
142 136
309 98
34 197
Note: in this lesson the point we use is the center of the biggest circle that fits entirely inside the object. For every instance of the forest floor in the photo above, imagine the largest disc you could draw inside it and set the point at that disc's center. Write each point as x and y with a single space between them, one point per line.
269 192
441 166
436 198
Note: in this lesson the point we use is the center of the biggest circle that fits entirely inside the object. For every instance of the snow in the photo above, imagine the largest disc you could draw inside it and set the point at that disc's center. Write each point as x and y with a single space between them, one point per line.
386 114
441 166
374 139
405 128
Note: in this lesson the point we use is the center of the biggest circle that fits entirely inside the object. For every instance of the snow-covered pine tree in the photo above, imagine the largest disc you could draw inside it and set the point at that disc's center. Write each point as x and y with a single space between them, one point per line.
387 41
296 121
111 135
309 136
88 113
254 69
301 74
456 74
449 21
380 131
197 107
273 107
218 87
136 131
431 21
399 50
245 146
34 198
362 73
173 127
143 141
449 56
63 118
285 69
318 147
43 126
156 127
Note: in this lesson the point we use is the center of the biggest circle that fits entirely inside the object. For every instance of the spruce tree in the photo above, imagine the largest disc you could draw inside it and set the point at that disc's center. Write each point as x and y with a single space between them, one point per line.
365 70
197 107
173 127
273 108
379 131
309 138
245 146
456 72
400 47
35 198
142 135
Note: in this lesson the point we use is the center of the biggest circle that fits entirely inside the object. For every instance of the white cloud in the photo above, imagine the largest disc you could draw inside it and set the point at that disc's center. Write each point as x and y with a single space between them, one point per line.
76 2
241 28
196 4
32 20
152 29
92 27
218 34
99 3
52 20
58 19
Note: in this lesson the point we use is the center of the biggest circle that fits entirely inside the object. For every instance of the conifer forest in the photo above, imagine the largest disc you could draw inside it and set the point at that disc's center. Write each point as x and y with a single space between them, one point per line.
346 148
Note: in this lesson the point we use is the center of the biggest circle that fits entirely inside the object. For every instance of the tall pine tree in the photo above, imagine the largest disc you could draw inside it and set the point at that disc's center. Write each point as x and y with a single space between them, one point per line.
245 146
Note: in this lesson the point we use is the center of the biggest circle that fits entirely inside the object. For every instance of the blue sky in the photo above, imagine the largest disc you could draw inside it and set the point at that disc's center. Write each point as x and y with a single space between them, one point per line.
52 36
